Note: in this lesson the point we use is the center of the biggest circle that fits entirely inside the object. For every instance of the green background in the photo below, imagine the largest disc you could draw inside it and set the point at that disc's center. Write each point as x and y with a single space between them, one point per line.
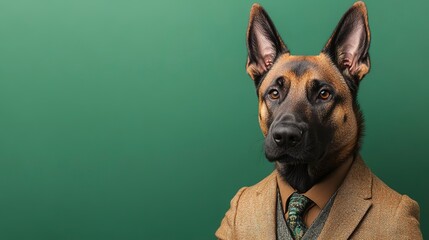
136 119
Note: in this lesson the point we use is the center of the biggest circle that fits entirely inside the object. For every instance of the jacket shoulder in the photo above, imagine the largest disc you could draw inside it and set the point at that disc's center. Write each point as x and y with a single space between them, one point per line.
400 211
263 184
238 219
265 187
383 194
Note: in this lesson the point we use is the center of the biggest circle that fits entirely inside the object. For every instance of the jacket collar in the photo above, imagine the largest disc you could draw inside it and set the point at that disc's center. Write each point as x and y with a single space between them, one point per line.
351 203
349 207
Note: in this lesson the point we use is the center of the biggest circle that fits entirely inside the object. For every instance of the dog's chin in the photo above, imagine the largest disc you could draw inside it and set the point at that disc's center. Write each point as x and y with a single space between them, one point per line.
290 159
296 175
298 171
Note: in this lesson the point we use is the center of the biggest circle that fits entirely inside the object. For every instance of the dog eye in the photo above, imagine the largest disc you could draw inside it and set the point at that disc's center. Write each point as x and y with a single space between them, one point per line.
274 94
324 95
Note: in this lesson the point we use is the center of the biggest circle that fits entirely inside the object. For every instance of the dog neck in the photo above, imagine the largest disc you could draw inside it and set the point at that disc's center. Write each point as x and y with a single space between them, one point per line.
302 177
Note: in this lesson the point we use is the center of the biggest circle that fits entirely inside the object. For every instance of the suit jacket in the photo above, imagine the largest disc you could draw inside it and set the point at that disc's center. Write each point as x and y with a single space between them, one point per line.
364 208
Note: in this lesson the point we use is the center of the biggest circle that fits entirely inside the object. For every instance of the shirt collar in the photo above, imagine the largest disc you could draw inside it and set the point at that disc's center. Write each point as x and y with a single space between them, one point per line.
321 192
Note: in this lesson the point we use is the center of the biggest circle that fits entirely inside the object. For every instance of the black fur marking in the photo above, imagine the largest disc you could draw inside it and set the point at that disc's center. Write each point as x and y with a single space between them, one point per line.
302 176
297 176
299 67
335 102
360 126
328 113
280 81
353 85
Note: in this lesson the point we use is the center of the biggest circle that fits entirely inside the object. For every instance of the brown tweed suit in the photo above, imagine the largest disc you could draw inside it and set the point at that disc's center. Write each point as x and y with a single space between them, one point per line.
364 208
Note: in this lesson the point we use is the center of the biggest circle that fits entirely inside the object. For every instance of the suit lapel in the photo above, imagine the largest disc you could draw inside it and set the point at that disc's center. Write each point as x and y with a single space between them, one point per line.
351 203
343 219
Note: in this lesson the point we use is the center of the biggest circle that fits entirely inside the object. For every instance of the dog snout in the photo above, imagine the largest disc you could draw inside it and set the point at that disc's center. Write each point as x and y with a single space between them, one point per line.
287 135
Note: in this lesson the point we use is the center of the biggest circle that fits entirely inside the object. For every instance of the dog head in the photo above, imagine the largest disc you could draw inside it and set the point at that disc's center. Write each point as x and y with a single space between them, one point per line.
308 111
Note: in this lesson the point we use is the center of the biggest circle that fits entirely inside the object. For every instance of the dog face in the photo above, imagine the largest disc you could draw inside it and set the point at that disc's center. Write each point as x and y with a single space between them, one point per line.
308 110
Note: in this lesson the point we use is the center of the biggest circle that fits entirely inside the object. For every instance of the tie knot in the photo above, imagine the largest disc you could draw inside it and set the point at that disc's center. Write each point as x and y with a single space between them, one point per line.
298 203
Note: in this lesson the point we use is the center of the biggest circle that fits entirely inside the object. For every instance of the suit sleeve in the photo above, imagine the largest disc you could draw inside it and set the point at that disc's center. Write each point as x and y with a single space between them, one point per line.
407 217
226 229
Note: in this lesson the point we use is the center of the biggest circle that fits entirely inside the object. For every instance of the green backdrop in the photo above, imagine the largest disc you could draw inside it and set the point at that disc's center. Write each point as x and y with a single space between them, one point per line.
136 120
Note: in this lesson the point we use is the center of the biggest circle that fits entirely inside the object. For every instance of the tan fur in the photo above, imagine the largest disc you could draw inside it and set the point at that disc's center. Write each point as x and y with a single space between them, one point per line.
263 117
345 136
364 207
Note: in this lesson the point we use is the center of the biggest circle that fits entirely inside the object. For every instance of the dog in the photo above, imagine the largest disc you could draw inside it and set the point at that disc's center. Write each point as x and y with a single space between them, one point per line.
312 124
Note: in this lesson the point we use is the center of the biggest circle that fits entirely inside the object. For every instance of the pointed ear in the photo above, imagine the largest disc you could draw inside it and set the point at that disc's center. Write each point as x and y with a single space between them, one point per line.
349 44
264 44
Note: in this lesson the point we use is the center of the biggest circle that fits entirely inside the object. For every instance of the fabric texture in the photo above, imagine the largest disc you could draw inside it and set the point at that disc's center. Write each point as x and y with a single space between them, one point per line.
320 193
313 231
282 229
364 208
297 206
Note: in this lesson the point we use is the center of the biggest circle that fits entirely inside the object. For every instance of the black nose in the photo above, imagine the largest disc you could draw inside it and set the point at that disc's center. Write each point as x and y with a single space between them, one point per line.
288 136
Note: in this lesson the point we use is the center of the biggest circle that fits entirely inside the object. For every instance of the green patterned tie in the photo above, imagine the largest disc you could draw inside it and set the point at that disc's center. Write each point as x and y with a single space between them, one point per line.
296 208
